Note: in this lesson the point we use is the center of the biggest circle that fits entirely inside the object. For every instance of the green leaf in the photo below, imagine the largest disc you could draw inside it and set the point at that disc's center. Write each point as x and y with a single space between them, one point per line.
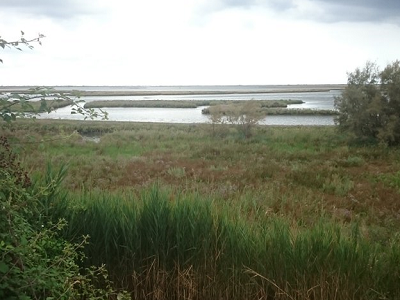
24 241
3 267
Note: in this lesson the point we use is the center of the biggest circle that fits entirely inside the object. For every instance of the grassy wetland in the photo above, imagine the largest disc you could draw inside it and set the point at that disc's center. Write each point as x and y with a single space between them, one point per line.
184 103
179 211
265 107
39 106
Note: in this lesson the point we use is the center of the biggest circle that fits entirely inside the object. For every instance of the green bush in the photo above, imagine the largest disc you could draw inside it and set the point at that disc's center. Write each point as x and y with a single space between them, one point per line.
35 262
369 107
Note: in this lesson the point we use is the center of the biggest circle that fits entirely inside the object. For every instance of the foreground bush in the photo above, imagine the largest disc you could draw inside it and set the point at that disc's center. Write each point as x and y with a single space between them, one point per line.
35 262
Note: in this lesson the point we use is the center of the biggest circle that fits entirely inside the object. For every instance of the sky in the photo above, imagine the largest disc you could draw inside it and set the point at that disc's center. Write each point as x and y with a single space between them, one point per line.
196 42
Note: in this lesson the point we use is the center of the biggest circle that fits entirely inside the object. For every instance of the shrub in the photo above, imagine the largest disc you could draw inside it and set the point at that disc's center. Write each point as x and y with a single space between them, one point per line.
369 107
35 262
244 115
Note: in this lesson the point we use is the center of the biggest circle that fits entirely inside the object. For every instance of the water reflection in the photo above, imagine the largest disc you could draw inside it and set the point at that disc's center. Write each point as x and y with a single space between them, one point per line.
183 115
312 100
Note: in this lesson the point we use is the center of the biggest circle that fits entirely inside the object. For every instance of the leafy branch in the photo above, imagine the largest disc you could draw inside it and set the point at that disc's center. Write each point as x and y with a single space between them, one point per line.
40 99
43 100
21 41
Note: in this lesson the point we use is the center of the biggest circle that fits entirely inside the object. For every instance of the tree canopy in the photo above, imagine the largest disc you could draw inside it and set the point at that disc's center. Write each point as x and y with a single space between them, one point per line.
369 106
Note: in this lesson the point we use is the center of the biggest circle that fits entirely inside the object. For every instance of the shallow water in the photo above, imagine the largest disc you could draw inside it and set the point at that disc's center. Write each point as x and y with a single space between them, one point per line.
183 115
312 100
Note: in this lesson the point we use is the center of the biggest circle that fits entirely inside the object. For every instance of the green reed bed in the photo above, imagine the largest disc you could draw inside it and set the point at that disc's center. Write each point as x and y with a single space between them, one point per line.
301 111
40 106
184 103
146 103
166 244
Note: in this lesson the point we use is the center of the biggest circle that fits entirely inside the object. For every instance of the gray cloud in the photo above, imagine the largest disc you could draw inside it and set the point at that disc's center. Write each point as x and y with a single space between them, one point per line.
57 9
331 10
360 10
279 5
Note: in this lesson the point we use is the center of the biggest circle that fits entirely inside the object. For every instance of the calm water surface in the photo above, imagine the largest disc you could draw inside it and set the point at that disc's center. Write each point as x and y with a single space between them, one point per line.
312 100
183 115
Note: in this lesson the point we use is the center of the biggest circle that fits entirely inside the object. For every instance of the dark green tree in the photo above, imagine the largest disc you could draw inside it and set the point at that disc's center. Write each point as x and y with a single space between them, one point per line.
369 105
390 87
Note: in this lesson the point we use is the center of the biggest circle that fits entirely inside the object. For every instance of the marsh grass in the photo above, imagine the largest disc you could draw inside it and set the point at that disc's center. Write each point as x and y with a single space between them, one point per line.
301 111
352 161
392 180
40 106
163 244
177 172
184 103
175 211
338 185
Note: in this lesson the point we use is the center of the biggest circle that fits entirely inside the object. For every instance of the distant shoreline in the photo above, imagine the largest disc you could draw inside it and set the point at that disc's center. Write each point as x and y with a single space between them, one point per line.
181 90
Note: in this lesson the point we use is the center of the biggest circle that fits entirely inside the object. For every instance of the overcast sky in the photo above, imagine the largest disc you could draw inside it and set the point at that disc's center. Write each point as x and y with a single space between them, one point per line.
196 42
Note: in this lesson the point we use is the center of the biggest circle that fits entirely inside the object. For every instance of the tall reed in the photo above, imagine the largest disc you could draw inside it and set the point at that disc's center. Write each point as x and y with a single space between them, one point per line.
166 244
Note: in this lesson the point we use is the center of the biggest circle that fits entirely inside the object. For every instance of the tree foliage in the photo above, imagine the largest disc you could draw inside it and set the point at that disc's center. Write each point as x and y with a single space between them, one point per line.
369 106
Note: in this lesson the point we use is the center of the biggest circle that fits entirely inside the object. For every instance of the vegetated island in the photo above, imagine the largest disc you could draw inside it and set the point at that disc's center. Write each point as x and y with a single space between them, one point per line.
269 107
40 106
183 103
275 107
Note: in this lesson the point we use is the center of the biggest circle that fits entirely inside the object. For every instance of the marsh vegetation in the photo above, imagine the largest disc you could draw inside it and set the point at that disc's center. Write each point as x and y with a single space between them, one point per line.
191 212
184 103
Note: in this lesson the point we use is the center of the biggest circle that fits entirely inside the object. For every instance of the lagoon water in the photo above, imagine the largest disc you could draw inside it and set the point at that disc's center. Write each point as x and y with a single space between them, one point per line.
312 100
184 115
